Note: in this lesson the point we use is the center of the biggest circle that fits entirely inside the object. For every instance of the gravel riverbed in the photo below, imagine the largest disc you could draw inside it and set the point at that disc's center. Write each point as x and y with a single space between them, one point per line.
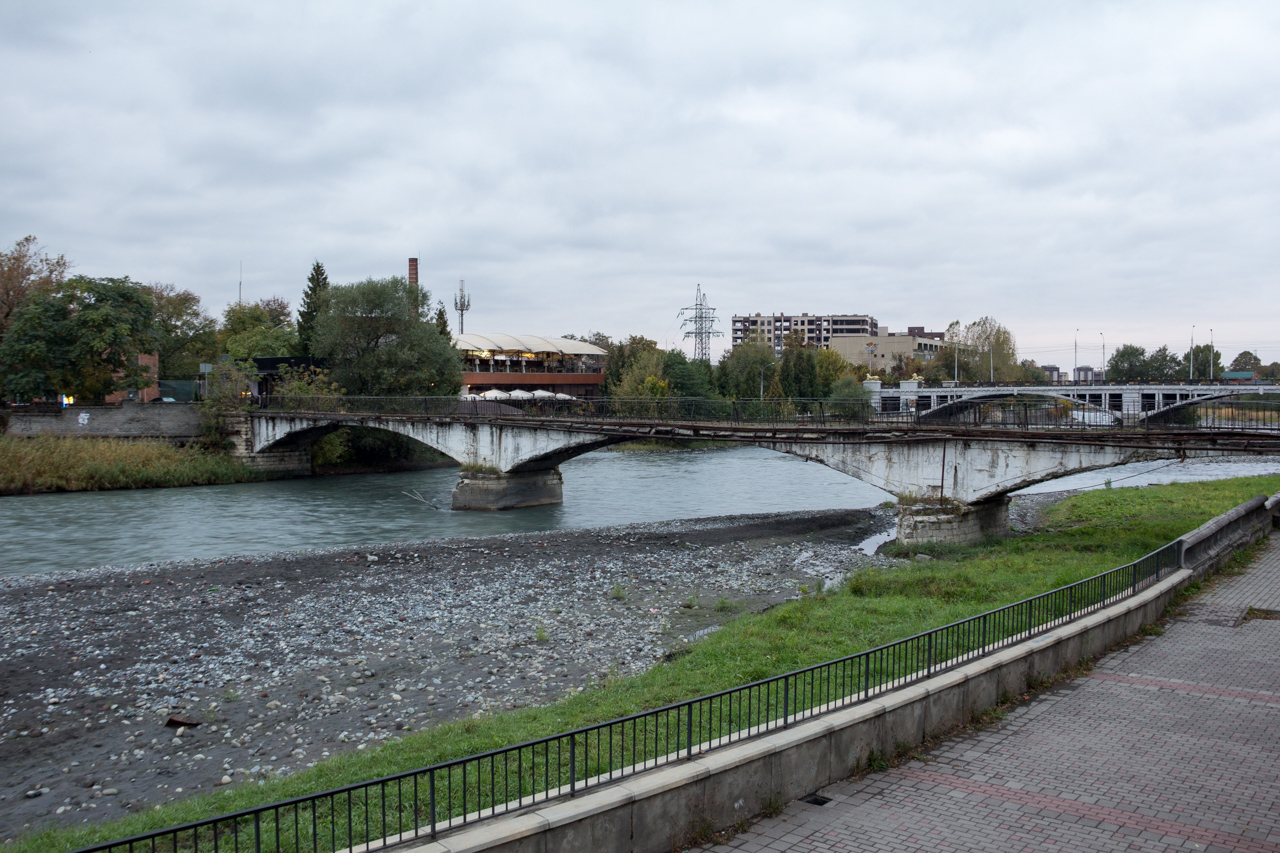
279 661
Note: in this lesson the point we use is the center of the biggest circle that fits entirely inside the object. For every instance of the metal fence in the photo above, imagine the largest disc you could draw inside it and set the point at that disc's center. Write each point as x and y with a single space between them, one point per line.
420 803
1012 413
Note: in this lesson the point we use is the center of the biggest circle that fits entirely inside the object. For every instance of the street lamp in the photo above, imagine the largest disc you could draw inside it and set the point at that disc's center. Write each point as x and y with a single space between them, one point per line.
1075 367
1104 355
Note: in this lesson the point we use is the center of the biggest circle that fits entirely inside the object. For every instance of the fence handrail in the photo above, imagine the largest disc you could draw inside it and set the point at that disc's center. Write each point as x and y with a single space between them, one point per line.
1099 593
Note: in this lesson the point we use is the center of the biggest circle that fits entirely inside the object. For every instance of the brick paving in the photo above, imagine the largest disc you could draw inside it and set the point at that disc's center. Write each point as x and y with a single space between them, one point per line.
1170 744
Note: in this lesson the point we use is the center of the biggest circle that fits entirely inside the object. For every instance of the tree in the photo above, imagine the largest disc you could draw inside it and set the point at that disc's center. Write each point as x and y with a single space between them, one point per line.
256 331
688 378
829 366
621 355
644 377
849 397
1195 363
742 372
312 304
24 270
1128 363
797 372
377 345
185 334
81 338
1164 366
1246 361
442 320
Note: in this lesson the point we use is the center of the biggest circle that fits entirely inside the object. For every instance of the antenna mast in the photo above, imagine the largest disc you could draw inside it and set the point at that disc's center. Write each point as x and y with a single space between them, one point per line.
461 303
703 321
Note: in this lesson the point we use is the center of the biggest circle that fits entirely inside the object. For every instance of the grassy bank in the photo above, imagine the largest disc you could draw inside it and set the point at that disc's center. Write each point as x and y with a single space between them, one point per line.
70 464
1084 535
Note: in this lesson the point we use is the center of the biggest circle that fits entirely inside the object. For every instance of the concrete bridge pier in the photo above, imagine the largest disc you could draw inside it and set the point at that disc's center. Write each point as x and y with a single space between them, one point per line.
953 523
494 490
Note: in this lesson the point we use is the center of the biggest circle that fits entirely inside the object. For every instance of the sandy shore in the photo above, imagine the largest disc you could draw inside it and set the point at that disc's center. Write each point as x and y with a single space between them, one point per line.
287 659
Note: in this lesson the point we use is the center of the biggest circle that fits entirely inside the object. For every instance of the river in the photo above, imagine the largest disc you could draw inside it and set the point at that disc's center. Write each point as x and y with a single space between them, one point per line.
54 532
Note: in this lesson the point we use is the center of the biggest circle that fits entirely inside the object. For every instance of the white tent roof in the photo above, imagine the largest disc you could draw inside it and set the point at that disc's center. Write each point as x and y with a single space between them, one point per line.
521 395
524 343
495 394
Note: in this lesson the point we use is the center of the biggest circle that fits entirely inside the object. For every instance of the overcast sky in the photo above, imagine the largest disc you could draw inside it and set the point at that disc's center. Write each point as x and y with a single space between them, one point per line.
1112 167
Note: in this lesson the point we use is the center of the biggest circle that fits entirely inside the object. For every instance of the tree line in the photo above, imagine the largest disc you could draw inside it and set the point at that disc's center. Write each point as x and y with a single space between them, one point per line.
1132 363
81 336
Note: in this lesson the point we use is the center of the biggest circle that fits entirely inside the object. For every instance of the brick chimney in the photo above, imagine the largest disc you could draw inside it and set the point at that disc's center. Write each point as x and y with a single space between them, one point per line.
413 272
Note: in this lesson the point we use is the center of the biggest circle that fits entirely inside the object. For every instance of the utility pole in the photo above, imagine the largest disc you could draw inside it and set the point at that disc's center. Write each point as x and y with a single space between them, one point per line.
1211 354
1191 356
240 292
703 322
992 354
1075 367
461 303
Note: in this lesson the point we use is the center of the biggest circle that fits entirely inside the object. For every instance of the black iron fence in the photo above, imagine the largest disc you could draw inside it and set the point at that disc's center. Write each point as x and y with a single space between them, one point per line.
420 803
1019 413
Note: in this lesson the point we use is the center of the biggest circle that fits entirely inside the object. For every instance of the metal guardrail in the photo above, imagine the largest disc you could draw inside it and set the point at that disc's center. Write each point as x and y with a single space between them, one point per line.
419 803
1013 413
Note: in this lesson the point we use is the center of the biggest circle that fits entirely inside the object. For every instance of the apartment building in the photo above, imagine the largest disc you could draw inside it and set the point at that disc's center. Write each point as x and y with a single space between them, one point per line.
816 328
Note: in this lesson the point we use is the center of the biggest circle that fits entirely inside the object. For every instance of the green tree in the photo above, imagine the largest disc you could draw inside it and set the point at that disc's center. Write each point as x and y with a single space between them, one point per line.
621 355
312 304
185 334
645 376
1164 366
1197 368
849 398
24 270
688 378
829 366
81 338
258 330
743 371
1129 363
442 320
1246 361
377 345
798 370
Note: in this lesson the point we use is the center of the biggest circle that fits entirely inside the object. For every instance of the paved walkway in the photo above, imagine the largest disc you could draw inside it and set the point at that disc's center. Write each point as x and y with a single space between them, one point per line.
1171 744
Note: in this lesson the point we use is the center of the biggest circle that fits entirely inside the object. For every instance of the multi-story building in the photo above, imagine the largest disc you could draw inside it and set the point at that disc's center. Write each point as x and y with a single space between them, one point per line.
817 328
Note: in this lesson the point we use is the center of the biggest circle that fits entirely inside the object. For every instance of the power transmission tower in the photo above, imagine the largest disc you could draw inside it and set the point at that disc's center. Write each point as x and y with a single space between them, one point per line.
703 321
461 303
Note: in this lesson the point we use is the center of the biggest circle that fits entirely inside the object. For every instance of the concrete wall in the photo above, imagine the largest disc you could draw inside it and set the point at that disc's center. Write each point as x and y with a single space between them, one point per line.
178 422
963 525
652 811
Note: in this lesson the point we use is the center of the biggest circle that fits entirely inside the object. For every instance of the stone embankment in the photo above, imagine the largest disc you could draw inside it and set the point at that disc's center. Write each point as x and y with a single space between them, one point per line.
279 661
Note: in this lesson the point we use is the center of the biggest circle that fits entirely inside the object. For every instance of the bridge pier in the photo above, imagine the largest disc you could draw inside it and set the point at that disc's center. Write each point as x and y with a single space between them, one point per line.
952 523
493 490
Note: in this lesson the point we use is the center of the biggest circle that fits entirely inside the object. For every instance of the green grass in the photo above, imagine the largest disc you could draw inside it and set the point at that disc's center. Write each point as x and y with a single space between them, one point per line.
1086 534
72 464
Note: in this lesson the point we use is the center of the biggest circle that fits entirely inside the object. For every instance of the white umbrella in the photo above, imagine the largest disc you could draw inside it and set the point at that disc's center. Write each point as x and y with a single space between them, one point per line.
544 395
565 397
495 394
521 395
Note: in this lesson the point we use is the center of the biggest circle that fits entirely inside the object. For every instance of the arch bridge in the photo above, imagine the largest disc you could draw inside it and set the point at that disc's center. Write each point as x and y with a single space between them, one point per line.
964 459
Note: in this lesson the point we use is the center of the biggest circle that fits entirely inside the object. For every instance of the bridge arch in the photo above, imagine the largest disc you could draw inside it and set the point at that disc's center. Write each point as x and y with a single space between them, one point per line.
954 410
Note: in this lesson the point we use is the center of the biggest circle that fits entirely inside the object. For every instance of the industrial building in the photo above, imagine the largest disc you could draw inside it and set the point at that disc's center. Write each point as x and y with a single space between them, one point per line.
817 329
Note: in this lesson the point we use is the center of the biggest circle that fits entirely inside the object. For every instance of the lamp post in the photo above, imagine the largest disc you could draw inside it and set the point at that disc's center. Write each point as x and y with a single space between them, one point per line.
1104 355
1075 367
1191 356
1210 355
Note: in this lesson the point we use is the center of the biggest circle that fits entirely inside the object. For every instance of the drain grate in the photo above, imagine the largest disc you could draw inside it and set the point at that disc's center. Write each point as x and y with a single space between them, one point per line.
816 799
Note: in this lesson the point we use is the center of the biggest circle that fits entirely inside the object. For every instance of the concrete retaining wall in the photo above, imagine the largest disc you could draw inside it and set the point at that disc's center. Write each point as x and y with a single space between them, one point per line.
178 422
652 811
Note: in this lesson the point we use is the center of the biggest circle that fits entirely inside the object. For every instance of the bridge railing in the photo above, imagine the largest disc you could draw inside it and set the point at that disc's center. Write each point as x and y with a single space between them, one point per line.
421 802
1013 412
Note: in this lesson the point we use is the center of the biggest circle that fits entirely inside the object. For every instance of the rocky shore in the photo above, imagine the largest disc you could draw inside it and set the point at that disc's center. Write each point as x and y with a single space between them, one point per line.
128 686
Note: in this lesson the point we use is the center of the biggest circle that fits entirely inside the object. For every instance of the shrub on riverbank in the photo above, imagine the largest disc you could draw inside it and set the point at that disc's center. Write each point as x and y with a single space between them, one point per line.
1084 535
73 464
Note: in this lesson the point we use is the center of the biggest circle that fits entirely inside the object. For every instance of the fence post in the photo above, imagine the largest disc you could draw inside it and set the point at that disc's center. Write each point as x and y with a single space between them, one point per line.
432 776
573 765
688 730
929 658
786 701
